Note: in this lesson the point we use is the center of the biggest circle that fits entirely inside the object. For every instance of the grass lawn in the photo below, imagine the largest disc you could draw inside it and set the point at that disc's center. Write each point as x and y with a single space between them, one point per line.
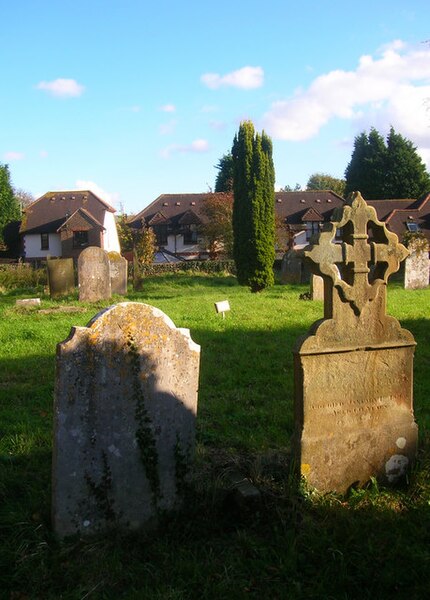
375 543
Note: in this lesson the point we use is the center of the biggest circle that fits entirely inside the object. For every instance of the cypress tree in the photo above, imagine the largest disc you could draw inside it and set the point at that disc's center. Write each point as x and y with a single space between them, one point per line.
253 208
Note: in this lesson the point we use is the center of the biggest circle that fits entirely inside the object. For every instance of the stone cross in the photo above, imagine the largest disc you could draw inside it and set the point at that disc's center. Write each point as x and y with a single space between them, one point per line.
124 420
353 371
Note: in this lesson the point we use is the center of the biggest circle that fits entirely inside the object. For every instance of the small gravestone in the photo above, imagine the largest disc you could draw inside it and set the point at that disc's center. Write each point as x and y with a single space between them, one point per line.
61 276
417 265
118 267
27 302
94 275
124 420
353 371
317 287
292 267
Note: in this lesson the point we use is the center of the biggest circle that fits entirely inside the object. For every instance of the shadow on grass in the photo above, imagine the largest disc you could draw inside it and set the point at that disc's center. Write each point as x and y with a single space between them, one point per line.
293 544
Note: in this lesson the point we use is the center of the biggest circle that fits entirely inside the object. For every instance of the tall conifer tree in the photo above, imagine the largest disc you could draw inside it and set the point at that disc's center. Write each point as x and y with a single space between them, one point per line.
253 208
9 207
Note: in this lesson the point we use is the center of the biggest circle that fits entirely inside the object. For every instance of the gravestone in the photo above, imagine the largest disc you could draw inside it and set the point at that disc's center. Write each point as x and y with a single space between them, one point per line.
291 267
124 420
317 287
61 276
353 370
118 268
94 275
417 265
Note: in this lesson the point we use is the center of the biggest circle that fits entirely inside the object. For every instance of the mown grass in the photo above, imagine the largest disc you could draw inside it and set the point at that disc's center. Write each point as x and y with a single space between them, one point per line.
375 543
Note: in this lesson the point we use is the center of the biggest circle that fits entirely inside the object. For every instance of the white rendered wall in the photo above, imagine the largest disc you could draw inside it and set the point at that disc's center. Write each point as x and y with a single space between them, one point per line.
110 235
179 247
32 244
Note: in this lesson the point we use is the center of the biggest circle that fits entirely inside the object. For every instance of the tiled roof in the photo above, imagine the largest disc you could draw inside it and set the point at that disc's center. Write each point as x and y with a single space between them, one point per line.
48 213
403 212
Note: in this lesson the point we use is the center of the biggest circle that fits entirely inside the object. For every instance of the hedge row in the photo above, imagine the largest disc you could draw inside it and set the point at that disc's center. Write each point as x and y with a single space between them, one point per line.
21 275
192 266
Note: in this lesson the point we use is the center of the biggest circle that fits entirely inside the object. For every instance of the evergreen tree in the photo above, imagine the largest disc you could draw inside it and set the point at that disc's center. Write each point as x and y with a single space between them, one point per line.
407 176
366 172
253 208
224 179
9 207
390 169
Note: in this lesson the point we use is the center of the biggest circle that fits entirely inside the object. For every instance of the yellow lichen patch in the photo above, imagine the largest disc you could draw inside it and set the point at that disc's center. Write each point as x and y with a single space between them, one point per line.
305 469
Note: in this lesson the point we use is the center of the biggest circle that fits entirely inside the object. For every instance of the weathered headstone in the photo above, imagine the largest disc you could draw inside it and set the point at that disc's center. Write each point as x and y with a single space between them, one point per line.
317 287
125 409
118 267
292 267
94 275
61 276
417 265
353 371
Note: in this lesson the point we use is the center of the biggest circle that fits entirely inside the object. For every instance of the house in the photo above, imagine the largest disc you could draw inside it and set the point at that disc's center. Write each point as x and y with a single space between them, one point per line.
176 220
62 224
405 215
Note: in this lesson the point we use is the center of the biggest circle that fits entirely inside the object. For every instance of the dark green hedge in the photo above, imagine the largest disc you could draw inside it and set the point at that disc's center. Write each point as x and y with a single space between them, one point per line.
192 266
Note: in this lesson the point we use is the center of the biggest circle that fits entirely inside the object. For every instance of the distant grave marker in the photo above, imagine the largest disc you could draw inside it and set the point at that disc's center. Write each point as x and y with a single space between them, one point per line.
124 420
417 265
94 275
317 287
353 370
61 276
118 267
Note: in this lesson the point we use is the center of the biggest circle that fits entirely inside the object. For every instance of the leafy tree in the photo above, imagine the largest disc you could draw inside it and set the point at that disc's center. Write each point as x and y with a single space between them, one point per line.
23 197
390 169
323 181
224 179
253 207
144 245
218 230
125 234
407 176
9 207
289 188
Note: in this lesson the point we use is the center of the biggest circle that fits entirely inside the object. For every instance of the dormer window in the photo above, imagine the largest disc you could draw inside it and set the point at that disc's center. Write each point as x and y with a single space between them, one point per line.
412 227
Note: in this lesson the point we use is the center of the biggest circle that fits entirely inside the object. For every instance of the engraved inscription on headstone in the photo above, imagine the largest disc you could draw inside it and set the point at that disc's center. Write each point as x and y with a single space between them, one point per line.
61 276
124 420
353 371
417 265
94 275
118 266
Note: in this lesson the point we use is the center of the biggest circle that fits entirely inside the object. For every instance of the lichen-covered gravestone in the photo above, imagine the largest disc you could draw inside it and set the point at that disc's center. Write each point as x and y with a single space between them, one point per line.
118 273
125 409
417 265
61 276
353 371
94 275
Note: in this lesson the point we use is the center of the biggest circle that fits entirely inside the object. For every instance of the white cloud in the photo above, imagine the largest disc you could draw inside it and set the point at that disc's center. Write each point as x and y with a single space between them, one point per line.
62 88
197 147
111 198
169 108
43 154
168 128
246 78
14 155
218 125
390 89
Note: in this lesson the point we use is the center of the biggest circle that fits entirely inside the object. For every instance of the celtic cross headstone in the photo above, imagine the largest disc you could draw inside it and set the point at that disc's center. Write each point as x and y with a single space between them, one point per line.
353 370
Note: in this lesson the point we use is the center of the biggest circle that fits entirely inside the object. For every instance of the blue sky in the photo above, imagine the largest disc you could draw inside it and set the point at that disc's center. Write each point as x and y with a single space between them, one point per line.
133 99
